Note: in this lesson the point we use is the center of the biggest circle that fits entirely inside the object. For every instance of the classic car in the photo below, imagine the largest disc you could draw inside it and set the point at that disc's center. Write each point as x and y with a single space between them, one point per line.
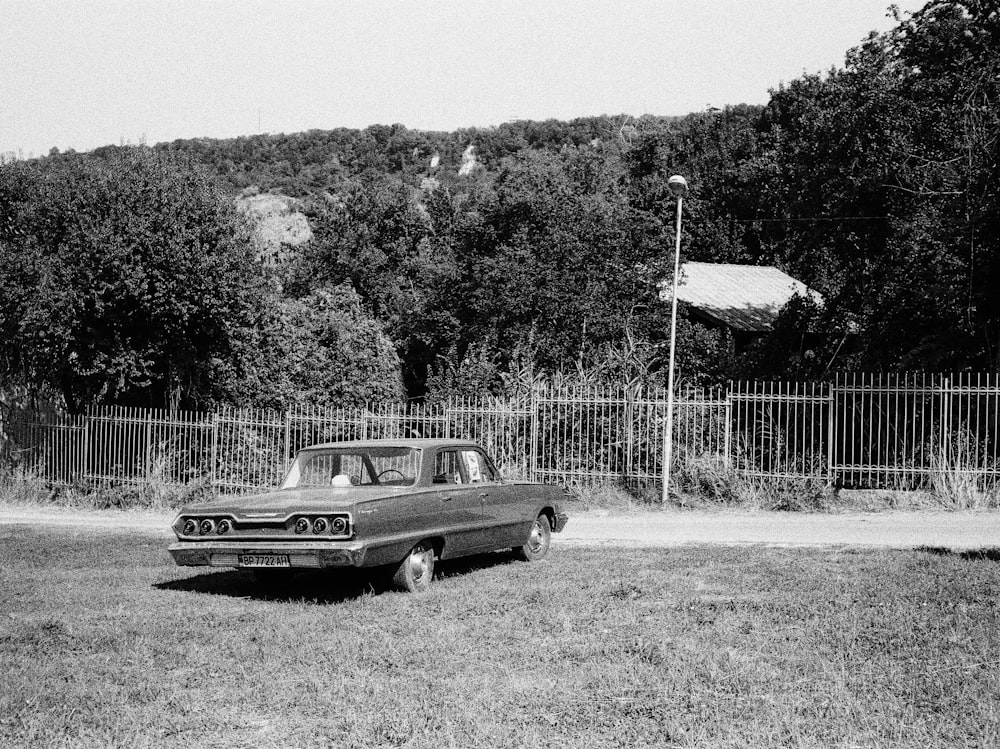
395 504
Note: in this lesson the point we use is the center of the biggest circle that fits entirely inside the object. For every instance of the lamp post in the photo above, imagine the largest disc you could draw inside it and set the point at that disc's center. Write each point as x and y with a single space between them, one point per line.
678 187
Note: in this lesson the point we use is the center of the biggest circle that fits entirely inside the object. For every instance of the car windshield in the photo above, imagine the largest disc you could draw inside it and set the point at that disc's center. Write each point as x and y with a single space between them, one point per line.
354 466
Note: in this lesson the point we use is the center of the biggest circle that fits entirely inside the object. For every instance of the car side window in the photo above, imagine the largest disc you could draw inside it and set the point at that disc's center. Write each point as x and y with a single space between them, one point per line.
477 467
447 469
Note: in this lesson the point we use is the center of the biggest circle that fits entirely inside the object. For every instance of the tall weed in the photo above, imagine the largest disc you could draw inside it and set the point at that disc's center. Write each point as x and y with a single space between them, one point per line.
705 477
21 487
959 480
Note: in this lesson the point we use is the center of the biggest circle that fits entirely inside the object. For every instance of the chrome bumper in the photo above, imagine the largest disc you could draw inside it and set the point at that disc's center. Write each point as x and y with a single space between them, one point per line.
300 555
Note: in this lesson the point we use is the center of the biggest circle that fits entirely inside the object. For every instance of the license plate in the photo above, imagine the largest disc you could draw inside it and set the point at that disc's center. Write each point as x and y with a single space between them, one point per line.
264 560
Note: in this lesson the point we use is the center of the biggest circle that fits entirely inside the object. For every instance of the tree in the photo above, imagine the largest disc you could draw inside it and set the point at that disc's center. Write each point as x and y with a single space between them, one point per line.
327 352
875 183
378 235
555 255
125 277
888 189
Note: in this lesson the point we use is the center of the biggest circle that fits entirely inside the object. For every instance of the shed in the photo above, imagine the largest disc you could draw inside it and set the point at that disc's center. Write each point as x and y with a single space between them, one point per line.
745 299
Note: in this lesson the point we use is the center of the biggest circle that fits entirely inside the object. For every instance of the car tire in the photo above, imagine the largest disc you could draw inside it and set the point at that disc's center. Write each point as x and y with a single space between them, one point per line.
539 540
415 572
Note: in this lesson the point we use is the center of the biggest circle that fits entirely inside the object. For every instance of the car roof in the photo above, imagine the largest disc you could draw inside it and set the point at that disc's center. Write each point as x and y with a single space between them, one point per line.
419 443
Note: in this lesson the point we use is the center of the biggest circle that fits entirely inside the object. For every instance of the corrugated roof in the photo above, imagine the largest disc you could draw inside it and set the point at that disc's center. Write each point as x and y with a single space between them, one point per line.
742 297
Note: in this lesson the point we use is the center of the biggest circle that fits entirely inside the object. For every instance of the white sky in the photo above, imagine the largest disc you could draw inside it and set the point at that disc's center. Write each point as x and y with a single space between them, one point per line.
79 74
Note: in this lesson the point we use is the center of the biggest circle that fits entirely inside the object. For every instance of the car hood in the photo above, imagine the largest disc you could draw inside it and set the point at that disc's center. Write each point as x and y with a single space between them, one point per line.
285 501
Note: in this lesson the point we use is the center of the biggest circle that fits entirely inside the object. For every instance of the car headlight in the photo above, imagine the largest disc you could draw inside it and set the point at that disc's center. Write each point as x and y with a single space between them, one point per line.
320 525
339 525
190 527
301 525
207 526
224 526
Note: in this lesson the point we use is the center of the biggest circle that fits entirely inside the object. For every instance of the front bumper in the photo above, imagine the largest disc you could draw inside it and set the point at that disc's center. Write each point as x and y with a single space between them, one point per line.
303 555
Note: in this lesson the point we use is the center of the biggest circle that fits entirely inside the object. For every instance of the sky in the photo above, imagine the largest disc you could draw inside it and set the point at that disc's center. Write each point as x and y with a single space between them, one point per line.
83 74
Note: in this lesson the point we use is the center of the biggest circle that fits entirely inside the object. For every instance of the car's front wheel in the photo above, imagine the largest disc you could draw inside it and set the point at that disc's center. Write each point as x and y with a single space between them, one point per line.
537 545
415 572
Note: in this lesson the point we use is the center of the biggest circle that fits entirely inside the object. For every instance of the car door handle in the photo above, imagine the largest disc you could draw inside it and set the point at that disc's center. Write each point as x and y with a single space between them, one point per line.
483 495
447 498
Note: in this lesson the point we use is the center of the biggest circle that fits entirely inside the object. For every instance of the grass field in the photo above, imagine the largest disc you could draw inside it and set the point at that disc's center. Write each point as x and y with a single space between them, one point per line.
104 643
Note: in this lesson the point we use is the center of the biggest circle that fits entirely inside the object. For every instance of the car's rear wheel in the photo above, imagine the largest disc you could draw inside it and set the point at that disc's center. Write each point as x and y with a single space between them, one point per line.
539 539
416 571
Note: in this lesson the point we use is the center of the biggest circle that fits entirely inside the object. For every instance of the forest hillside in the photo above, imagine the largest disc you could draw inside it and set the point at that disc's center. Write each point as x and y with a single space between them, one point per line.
339 266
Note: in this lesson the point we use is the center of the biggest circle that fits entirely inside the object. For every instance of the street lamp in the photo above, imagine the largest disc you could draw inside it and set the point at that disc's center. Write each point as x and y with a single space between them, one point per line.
678 187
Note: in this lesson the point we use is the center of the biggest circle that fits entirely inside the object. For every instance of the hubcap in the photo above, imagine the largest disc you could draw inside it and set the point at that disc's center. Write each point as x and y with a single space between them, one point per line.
535 541
418 565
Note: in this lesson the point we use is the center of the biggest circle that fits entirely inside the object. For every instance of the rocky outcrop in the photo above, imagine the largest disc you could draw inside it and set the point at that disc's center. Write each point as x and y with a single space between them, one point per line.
279 223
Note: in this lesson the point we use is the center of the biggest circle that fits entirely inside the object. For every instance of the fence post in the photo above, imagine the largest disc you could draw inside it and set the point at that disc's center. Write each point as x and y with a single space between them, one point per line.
831 430
945 422
630 431
85 444
215 446
727 428
533 405
149 444
288 437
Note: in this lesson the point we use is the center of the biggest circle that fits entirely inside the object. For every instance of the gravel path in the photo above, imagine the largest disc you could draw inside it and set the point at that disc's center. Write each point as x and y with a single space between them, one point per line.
952 530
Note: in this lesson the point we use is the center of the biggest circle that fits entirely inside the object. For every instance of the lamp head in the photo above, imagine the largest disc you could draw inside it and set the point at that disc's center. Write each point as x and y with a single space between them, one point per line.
677 185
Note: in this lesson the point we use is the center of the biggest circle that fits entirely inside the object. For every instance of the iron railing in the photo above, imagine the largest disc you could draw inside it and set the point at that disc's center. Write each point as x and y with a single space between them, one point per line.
874 431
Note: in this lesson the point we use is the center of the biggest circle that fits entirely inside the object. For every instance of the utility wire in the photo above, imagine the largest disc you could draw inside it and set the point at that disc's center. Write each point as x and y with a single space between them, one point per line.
815 218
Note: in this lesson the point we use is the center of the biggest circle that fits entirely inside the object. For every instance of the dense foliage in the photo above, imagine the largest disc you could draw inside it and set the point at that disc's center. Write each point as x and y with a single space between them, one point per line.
128 277
529 248
877 185
125 279
330 353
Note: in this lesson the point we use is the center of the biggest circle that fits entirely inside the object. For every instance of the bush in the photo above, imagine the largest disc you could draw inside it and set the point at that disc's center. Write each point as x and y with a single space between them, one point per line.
784 494
707 477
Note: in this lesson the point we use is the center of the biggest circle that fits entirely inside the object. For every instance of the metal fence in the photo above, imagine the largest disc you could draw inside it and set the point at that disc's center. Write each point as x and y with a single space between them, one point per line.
897 431
875 431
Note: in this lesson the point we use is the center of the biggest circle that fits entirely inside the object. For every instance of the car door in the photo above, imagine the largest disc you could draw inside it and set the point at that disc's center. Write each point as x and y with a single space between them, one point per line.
461 507
503 513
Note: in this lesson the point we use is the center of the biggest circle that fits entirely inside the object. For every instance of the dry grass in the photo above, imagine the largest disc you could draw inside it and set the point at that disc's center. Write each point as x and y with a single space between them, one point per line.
615 498
18 488
959 480
104 643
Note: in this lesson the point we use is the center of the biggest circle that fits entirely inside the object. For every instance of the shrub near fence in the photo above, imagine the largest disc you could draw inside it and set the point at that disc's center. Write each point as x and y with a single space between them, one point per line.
859 430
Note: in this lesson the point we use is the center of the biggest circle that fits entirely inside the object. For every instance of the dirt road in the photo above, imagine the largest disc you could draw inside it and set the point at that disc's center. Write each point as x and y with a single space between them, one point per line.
952 530
955 530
